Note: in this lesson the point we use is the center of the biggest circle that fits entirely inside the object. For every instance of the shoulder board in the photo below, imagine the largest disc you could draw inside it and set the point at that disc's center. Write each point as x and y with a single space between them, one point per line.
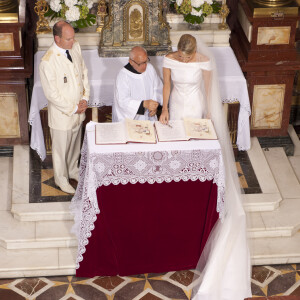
47 55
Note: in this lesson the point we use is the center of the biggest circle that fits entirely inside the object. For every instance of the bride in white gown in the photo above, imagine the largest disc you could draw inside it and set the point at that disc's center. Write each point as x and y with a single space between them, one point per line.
191 90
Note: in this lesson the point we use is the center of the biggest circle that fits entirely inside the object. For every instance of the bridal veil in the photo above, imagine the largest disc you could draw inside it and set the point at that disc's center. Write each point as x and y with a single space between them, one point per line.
224 266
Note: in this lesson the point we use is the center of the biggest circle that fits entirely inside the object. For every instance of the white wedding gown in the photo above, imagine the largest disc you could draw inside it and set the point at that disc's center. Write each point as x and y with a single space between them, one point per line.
186 98
224 264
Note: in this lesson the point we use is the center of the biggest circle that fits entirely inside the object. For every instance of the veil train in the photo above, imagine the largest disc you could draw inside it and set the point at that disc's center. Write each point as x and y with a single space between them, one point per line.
224 265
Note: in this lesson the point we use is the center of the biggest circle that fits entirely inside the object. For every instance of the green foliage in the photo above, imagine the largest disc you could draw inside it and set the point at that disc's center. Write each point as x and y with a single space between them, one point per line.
186 8
82 23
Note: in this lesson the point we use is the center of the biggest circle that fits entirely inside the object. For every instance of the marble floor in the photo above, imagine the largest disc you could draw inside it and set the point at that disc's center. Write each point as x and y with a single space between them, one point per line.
278 281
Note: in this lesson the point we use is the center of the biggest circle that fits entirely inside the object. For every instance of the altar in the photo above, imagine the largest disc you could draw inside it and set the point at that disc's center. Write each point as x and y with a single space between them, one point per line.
102 74
142 208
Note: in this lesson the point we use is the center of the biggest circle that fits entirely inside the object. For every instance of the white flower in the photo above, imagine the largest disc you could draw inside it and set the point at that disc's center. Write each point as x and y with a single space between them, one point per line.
55 5
196 13
73 14
179 2
90 4
70 3
209 2
197 3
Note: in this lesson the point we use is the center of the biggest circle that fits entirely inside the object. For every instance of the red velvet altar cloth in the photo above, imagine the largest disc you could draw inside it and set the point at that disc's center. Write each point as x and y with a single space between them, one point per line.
150 228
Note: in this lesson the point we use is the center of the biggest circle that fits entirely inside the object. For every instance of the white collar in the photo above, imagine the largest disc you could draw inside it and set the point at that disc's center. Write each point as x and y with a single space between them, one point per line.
61 50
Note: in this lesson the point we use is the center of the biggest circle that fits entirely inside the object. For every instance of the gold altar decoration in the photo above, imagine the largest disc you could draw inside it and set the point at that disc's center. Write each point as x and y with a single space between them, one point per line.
135 22
42 25
273 3
276 9
224 12
101 14
8 5
9 11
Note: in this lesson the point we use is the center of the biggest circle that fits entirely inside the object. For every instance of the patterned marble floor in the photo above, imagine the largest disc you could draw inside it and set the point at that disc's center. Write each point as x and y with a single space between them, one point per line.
282 281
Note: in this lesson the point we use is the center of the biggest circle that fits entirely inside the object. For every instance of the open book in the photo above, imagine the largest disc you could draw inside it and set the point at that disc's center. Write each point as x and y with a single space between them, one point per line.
184 130
126 131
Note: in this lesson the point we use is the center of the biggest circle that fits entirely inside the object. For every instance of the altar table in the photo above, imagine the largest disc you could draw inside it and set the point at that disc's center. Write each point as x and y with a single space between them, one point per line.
145 208
102 75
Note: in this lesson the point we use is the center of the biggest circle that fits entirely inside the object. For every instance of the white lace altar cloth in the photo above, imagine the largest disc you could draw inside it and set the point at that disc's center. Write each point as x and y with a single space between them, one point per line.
103 72
144 163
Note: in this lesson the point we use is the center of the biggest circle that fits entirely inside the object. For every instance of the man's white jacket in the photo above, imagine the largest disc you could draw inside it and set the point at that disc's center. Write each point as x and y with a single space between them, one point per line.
131 89
65 83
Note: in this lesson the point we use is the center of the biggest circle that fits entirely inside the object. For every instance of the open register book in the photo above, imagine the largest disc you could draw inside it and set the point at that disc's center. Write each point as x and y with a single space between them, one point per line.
184 130
124 132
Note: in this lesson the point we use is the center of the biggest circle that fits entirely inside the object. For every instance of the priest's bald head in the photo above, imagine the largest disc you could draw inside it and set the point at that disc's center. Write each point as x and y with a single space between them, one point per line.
138 59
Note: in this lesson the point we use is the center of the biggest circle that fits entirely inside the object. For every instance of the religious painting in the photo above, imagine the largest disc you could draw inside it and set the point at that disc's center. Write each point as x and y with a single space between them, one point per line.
7 42
9 116
273 35
267 106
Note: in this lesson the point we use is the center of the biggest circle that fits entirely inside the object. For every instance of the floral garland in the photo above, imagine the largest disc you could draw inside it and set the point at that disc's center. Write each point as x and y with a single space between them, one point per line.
74 11
195 11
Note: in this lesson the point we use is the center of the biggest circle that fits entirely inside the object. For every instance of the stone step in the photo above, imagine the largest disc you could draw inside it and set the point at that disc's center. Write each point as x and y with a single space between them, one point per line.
283 173
37 262
50 211
284 221
261 202
34 235
295 163
276 250
294 137
6 175
270 197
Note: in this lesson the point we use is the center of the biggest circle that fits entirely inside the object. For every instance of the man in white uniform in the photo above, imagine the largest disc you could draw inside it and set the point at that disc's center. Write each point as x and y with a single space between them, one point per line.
138 89
65 83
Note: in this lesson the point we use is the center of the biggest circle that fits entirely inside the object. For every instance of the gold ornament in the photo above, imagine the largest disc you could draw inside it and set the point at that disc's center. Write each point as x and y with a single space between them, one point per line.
101 13
224 12
42 26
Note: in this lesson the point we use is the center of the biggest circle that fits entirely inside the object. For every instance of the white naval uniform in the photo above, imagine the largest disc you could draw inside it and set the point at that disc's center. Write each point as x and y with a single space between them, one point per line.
65 83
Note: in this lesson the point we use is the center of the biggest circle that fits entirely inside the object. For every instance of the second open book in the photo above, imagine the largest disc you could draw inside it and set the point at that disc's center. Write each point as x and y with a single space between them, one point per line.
146 131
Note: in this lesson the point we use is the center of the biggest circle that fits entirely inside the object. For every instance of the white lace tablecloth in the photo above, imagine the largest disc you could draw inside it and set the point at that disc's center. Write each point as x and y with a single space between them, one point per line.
102 74
144 163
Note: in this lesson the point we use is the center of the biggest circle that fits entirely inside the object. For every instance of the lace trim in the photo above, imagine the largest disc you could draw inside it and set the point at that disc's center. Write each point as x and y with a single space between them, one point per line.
122 168
32 117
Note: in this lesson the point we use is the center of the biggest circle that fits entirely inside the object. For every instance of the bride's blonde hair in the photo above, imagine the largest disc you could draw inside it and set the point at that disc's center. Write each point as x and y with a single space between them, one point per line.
187 44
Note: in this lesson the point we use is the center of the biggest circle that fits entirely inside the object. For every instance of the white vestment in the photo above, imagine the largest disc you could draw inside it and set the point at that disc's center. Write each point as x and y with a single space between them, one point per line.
131 89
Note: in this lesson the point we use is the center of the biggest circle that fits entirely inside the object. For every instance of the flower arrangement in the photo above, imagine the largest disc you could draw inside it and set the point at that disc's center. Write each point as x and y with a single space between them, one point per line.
195 11
74 11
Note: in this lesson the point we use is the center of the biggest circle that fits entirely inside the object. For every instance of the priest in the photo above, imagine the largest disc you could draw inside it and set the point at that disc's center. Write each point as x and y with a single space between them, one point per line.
138 89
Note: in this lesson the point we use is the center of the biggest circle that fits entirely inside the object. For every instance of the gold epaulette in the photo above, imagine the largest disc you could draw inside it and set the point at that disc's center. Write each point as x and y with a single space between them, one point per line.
47 55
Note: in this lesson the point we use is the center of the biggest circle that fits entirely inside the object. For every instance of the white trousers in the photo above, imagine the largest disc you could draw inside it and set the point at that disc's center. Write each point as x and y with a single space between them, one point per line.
65 154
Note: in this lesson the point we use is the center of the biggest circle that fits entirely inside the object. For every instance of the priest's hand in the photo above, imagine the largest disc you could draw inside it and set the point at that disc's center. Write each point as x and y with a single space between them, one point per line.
164 117
152 113
150 105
